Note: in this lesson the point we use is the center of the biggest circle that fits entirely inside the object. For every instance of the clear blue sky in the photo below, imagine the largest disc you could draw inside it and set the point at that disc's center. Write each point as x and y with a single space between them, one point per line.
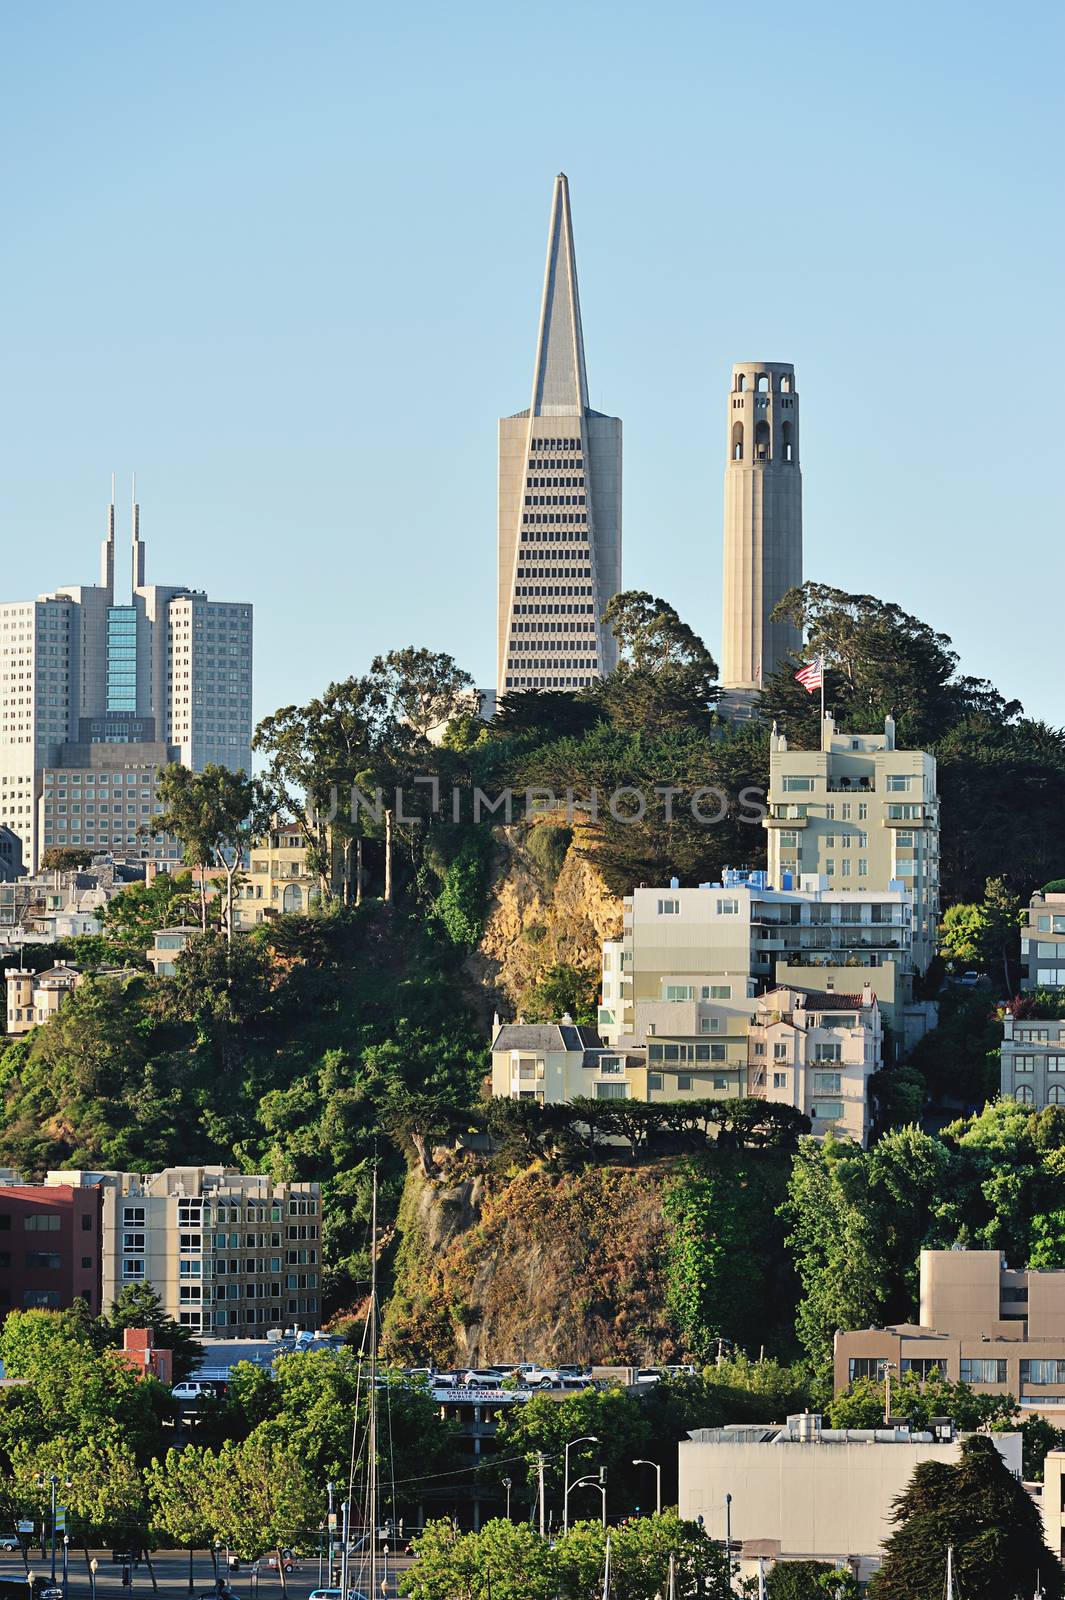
285 262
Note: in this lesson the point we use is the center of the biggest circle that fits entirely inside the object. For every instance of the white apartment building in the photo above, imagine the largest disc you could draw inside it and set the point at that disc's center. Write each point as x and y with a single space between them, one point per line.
97 693
860 813
227 1252
716 945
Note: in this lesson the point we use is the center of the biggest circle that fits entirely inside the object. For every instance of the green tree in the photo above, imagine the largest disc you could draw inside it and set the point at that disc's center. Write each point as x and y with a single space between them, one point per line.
986 934
880 661
507 1558
665 676
611 1416
177 1487
64 858
131 917
216 814
138 1306
422 689
640 1552
561 990
980 1510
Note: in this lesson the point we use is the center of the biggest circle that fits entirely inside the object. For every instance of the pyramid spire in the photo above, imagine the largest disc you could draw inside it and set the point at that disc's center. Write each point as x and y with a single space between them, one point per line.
560 387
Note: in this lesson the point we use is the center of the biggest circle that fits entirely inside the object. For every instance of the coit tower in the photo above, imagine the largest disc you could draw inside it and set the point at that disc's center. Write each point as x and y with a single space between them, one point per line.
763 522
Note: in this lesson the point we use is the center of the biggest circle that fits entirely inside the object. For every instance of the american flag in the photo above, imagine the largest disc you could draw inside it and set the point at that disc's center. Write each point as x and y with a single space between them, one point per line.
812 675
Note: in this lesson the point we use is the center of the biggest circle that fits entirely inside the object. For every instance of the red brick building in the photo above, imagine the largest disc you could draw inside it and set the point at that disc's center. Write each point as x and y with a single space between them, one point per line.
50 1246
140 1354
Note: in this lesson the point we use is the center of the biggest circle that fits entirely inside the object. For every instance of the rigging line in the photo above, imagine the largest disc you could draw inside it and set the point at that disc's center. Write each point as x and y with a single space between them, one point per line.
489 1461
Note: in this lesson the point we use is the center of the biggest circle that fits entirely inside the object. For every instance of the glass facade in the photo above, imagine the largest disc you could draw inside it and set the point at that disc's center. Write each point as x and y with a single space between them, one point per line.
121 658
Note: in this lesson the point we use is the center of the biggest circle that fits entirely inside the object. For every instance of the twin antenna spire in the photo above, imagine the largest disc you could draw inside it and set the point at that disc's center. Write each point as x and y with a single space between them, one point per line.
107 564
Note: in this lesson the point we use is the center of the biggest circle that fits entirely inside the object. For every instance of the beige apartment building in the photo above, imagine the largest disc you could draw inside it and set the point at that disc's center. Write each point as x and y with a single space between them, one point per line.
763 525
276 880
981 1323
555 1062
861 813
816 1051
800 1491
34 997
1043 942
559 500
1032 1061
228 1253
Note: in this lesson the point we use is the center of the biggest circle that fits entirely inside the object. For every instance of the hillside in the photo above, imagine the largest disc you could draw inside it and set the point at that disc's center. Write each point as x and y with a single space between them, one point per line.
548 907
532 1267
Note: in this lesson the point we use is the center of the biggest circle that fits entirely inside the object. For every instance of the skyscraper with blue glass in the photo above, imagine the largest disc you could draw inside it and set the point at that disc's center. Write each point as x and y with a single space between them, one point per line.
99 690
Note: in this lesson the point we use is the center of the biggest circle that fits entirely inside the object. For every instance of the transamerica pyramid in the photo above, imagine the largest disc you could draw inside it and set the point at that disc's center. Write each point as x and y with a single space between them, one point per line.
559 500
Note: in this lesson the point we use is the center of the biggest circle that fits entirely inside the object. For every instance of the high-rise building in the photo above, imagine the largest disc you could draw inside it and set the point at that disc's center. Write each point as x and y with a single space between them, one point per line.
763 523
559 500
97 692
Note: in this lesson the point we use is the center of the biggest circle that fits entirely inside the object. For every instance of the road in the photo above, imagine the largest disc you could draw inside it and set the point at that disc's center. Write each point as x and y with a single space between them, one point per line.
172 1576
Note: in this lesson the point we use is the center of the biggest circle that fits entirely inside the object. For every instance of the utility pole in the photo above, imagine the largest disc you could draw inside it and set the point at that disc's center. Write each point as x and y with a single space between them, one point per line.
543 1504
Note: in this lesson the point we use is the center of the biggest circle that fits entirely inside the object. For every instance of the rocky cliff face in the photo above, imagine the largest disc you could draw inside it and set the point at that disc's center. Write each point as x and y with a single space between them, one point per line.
548 906
534 1266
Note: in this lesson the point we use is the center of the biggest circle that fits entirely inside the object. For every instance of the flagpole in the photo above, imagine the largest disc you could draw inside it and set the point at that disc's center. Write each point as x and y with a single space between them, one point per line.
822 700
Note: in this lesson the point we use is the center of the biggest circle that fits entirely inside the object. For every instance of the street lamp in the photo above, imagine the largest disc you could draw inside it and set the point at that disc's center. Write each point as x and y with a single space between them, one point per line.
54 1481
642 1462
507 1484
596 1483
66 1566
585 1438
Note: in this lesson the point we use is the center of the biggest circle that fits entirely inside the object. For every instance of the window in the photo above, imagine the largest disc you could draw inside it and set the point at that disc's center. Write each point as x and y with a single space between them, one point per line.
611 1091
827 1110
827 1082
683 1081
780 1080
133 1242
1043 1371
43 1261
1056 1095
728 908
86 1223
924 1367
780 1052
828 1052
1024 1094
134 1215
794 784
132 1268
669 908
654 1080
759 1048
717 991
42 1222
680 991
866 1367
898 783
982 1371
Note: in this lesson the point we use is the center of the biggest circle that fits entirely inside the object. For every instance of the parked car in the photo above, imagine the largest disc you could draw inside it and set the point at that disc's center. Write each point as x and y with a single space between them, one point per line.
969 980
541 1378
334 1594
289 1561
191 1390
51 1591
10 1541
482 1379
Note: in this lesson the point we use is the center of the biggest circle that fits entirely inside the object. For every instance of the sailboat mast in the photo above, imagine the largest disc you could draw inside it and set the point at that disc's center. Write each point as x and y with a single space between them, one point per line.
950 1572
371 1444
